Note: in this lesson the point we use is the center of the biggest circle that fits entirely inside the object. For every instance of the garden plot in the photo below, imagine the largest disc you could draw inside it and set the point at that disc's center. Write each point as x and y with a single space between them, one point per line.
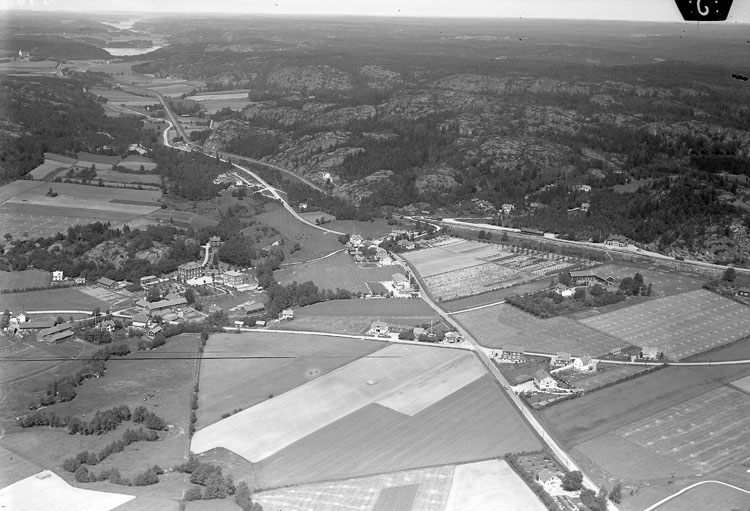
47 490
501 325
433 486
279 422
706 433
466 268
682 325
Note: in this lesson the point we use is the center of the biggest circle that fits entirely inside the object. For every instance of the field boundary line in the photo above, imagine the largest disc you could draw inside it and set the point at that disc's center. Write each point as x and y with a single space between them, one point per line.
346 336
687 488
477 307
286 265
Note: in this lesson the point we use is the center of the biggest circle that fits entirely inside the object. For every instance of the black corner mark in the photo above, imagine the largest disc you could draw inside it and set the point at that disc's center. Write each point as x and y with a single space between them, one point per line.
704 10
739 77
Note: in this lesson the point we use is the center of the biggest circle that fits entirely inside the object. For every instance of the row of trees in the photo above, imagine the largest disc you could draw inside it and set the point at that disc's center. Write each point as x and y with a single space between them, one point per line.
91 458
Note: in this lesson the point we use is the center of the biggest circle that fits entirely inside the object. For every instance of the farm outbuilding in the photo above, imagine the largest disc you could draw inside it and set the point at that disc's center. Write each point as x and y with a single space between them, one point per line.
379 328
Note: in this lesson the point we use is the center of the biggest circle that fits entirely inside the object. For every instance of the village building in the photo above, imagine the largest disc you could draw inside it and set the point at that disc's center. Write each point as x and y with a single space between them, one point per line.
190 270
214 241
260 322
508 208
585 363
154 330
30 326
140 320
582 188
254 308
617 241
234 278
563 290
379 328
79 280
589 278
170 303
562 358
400 282
452 337
107 326
286 314
743 291
149 280
650 352
550 481
57 276
544 381
513 353
106 283
55 333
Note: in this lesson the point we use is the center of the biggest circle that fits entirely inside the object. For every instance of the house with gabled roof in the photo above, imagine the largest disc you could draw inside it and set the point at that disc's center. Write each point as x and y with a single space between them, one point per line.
585 363
379 328
544 381
550 481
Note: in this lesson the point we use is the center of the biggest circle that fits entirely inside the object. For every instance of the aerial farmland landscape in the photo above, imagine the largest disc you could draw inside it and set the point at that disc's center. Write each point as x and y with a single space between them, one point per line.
375 257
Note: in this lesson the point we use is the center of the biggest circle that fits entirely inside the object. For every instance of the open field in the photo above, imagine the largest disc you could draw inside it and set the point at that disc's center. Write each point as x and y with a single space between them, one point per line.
14 468
682 325
605 373
24 279
373 230
46 168
47 490
459 268
503 324
471 424
161 380
28 367
123 177
607 410
280 363
716 497
25 208
706 433
497 295
356 316
51 299
212 102
490 485
338 271
322 401
433 486
314 242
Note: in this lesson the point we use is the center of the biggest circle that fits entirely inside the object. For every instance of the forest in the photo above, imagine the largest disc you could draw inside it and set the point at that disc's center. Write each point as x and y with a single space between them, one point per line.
57 115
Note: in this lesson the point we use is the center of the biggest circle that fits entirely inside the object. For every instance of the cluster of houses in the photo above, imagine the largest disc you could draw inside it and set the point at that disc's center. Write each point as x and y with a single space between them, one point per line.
46 330
367 251
383 329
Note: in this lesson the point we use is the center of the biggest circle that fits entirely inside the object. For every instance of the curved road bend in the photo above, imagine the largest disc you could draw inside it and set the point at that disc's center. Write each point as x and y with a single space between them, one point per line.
569 463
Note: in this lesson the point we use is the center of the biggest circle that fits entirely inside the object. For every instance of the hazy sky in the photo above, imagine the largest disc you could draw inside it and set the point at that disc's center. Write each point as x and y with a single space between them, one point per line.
637 10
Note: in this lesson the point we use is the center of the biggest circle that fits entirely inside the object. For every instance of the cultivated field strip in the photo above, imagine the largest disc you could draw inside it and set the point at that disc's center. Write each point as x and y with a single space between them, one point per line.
474 423
434 485
502 325
279 422
706 433
683 324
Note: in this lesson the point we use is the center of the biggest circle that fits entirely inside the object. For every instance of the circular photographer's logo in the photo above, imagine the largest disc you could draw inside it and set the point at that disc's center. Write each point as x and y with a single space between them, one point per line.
704 10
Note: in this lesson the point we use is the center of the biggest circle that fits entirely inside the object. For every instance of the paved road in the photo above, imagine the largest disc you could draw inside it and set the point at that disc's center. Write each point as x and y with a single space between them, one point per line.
569 463
279 198
275 167
677 494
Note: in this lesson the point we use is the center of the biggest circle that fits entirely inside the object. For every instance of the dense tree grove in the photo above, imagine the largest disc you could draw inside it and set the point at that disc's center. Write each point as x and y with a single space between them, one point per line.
64 251
215 485
90 458
102 422
190 175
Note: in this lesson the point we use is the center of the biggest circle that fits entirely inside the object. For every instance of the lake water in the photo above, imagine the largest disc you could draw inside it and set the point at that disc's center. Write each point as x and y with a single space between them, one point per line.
126 52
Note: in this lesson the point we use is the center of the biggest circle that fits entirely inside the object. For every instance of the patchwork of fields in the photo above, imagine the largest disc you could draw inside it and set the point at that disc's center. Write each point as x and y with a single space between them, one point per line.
338 271
682 325
482 485
401 407
503 325
26 208
460 268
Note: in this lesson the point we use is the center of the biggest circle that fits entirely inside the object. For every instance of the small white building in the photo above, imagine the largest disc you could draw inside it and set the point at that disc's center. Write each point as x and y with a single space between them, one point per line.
400 282
544 381
57 276
585 363
550 481
286 314
140 320
379 328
